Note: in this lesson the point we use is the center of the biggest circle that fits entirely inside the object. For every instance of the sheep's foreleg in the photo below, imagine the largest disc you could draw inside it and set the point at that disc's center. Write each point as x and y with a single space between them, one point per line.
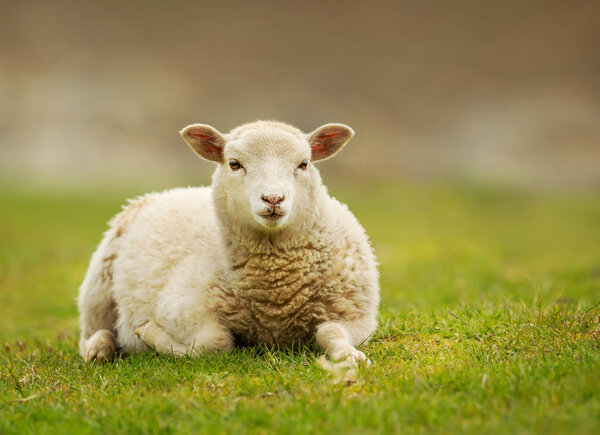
336 339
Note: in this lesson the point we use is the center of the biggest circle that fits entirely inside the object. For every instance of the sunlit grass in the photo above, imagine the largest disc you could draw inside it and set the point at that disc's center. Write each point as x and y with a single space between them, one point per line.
489 322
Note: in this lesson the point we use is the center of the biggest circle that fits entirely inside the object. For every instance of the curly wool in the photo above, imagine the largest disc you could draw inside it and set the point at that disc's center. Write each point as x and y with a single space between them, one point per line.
281 288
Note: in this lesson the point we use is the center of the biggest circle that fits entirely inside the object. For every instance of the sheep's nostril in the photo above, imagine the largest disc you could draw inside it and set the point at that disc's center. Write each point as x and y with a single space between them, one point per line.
273 199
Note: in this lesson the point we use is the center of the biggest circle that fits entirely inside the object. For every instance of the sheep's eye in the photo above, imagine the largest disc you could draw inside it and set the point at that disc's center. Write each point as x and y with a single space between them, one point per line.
234 165
303 165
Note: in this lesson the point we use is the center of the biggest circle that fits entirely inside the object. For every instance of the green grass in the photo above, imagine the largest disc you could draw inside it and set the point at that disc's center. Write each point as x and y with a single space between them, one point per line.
489 323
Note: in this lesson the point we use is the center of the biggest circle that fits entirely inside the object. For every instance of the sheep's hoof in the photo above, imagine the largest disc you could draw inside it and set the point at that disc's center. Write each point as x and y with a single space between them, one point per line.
353 356
359 358
100 347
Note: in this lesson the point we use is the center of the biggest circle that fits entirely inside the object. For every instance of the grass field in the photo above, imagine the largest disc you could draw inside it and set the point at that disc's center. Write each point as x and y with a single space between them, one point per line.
489 323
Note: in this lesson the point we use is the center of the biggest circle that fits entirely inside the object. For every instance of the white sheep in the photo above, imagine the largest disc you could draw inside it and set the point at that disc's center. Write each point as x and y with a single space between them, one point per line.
263 255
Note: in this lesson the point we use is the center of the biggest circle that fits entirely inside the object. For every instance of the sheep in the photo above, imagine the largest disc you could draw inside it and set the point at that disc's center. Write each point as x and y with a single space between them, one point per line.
262 256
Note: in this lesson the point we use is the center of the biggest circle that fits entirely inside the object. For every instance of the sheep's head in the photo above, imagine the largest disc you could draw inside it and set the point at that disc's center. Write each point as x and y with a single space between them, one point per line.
265 176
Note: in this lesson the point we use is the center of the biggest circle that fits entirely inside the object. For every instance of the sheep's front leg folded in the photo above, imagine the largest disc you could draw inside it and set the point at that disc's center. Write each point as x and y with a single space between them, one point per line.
211 337
338 340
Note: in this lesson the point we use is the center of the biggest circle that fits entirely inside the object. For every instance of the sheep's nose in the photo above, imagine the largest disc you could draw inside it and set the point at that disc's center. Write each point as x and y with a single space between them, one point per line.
273 199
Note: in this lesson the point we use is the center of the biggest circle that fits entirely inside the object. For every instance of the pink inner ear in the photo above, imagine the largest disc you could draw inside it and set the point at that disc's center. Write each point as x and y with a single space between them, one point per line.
206 144
327 142
319 148
323 142
326 136
198 135
211 149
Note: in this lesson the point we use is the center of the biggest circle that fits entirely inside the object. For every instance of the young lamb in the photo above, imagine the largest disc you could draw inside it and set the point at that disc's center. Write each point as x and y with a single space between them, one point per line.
263 255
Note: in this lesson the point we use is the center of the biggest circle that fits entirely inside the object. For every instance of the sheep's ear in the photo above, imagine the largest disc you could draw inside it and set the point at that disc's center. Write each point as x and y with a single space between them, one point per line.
328 139
206 141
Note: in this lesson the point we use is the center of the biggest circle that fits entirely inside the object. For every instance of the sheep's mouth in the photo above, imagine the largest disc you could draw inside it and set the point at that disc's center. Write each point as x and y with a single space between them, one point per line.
272 216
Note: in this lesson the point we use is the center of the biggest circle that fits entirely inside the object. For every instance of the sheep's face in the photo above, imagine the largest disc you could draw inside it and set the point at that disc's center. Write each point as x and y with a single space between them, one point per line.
265 176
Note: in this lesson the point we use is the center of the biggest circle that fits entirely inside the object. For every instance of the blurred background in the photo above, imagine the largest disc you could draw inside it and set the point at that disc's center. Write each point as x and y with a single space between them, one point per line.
475 168
94 93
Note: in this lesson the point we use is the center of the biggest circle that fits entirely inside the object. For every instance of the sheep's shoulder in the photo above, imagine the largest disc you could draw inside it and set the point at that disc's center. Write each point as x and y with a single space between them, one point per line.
162 232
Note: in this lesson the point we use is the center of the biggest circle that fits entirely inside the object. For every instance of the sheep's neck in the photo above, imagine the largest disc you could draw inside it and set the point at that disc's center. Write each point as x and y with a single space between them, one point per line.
243 244
277 284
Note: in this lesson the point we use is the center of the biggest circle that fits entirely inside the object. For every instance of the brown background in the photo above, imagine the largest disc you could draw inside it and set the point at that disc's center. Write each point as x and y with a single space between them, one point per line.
507 91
